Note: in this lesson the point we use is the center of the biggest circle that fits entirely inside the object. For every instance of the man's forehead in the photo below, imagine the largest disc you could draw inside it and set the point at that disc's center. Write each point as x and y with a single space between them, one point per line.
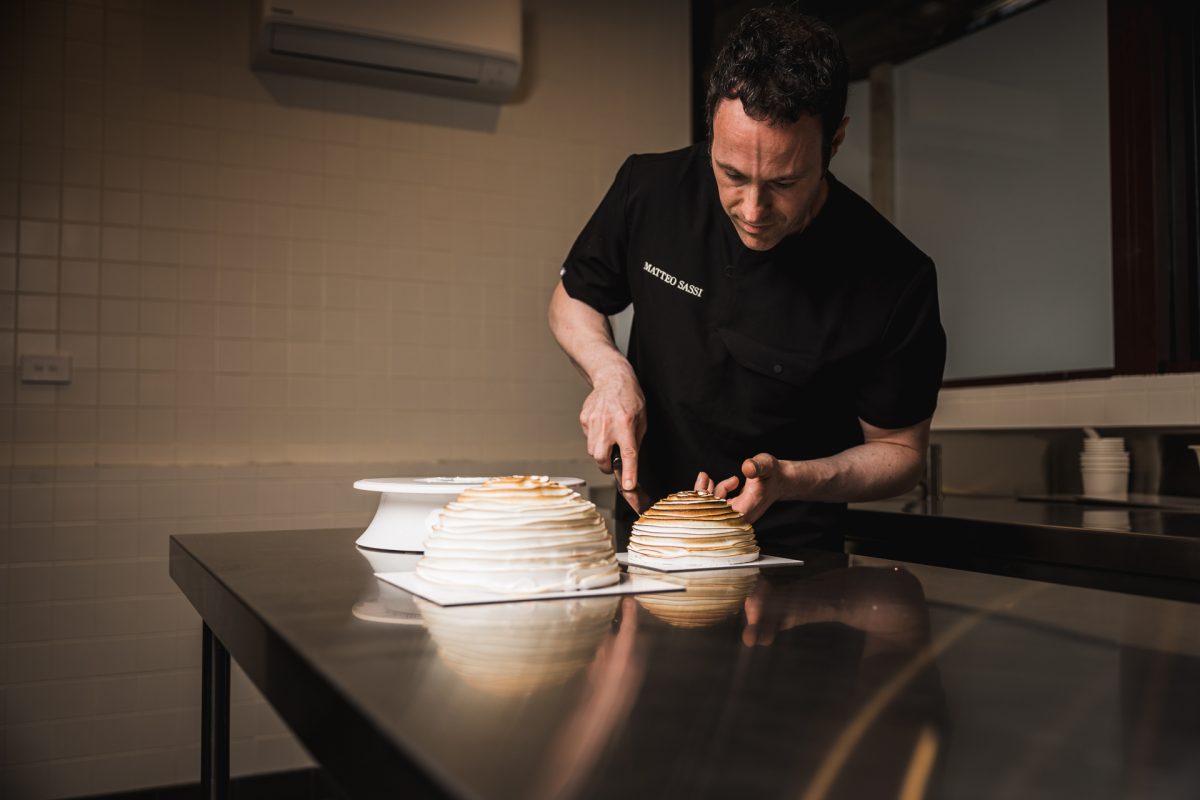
732 124
739 137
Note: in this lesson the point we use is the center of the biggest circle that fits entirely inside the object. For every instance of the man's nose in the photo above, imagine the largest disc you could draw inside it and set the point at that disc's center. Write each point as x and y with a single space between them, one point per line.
754 206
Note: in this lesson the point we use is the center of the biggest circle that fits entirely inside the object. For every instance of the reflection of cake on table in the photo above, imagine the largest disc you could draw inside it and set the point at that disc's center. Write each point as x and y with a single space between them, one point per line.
512 649
709 597
390 604
520 534
692 529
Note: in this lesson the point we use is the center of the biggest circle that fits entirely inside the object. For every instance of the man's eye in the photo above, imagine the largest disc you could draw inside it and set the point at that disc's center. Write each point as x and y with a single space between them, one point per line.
783 184
735 176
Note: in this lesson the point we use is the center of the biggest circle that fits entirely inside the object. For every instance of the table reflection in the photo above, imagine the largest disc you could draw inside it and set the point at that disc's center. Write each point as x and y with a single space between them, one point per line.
825 672
831 683
837 679
510 649
848 713
708 597
388 604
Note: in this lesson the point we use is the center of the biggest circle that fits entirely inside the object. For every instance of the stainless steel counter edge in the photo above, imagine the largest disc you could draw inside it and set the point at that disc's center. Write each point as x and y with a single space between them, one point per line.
876 531
331 729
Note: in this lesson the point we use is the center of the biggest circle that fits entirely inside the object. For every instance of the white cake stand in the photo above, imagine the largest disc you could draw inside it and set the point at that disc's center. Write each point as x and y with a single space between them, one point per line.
408 508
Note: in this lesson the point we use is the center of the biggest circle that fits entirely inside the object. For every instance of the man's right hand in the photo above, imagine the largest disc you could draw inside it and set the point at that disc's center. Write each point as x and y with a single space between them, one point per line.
615 413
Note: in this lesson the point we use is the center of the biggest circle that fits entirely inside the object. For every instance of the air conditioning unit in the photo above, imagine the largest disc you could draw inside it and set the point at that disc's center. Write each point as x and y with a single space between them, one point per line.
461 48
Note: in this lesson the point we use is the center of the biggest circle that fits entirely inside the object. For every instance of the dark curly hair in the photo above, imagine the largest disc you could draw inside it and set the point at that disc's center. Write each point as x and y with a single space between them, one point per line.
782 65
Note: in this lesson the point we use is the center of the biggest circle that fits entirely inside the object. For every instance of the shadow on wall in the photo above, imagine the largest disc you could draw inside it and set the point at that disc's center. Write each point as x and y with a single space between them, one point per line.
393 105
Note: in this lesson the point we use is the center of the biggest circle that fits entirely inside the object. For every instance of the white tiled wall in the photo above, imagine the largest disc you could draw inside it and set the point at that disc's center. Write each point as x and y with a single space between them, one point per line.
268 286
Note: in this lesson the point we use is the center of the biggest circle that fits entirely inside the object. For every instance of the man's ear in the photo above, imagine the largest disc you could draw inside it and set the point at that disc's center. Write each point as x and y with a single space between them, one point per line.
839 136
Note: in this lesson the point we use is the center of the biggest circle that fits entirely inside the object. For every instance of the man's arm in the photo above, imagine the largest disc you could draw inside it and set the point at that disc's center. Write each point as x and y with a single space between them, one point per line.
615 411
887 463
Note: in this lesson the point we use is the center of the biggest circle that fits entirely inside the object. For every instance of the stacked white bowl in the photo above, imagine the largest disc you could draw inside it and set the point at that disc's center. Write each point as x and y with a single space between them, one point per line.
1105 466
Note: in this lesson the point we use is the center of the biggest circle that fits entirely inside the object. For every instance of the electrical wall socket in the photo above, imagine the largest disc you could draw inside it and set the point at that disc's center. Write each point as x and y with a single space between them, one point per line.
45 369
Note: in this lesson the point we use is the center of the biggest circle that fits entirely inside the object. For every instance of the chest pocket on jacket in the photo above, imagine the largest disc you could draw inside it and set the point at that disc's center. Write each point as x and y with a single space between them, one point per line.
771 386
788 367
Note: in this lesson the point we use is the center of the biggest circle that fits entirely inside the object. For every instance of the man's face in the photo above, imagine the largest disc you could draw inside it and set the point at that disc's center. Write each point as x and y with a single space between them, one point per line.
769 176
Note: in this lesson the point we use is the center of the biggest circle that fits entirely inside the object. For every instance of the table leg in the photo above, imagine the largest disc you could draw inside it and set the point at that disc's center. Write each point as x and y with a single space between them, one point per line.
214 719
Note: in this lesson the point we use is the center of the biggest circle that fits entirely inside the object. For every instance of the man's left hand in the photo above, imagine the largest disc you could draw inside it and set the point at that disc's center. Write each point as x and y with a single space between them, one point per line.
765 482
764 485
887 463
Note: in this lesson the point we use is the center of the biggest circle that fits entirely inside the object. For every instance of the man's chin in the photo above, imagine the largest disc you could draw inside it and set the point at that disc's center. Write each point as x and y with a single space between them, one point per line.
757 242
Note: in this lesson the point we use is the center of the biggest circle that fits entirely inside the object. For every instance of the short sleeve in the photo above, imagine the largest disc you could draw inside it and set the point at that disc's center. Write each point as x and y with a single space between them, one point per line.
594 271
900 388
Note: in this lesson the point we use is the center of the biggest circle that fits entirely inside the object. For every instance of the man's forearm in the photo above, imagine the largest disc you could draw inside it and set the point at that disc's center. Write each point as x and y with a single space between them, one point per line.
586 337
614 413
871 471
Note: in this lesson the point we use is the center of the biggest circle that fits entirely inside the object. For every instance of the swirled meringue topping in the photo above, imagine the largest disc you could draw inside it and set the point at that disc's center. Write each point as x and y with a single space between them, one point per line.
522 533
692 529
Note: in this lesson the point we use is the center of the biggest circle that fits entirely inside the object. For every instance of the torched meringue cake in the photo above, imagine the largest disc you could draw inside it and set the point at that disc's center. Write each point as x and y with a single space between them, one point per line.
522 533
692 529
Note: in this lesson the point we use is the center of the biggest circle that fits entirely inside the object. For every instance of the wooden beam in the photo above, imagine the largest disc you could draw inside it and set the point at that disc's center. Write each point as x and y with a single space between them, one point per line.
1138 146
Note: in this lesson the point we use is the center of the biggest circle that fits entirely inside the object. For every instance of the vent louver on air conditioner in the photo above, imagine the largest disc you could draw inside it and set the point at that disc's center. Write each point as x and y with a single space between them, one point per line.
461 48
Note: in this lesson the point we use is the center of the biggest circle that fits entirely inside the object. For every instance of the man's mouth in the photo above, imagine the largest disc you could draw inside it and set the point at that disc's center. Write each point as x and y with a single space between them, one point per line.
750 227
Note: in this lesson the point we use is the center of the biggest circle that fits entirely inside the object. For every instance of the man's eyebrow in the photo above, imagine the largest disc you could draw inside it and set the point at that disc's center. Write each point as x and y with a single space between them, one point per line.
778 178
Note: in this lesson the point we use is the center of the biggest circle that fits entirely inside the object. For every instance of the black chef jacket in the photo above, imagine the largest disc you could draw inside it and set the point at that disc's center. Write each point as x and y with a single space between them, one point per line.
741 352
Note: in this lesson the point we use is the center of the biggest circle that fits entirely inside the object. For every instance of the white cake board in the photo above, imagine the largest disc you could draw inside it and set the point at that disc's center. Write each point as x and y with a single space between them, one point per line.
763 561
447 596
409 506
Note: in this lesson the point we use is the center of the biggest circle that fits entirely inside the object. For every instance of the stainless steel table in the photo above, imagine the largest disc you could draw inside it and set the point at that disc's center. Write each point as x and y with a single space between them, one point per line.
849 677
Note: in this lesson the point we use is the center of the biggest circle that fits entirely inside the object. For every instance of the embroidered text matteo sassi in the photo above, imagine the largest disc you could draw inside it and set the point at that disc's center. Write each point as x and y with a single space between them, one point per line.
671 280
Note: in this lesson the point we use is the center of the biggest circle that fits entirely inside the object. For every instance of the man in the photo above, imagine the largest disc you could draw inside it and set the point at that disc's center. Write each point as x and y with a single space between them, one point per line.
786 349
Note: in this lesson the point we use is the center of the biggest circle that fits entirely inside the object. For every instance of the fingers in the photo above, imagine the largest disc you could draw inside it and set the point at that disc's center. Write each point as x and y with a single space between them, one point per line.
600 449
614 413
726 486
742 504
629 460
600 444
704 483
749 504
760 466
601 438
